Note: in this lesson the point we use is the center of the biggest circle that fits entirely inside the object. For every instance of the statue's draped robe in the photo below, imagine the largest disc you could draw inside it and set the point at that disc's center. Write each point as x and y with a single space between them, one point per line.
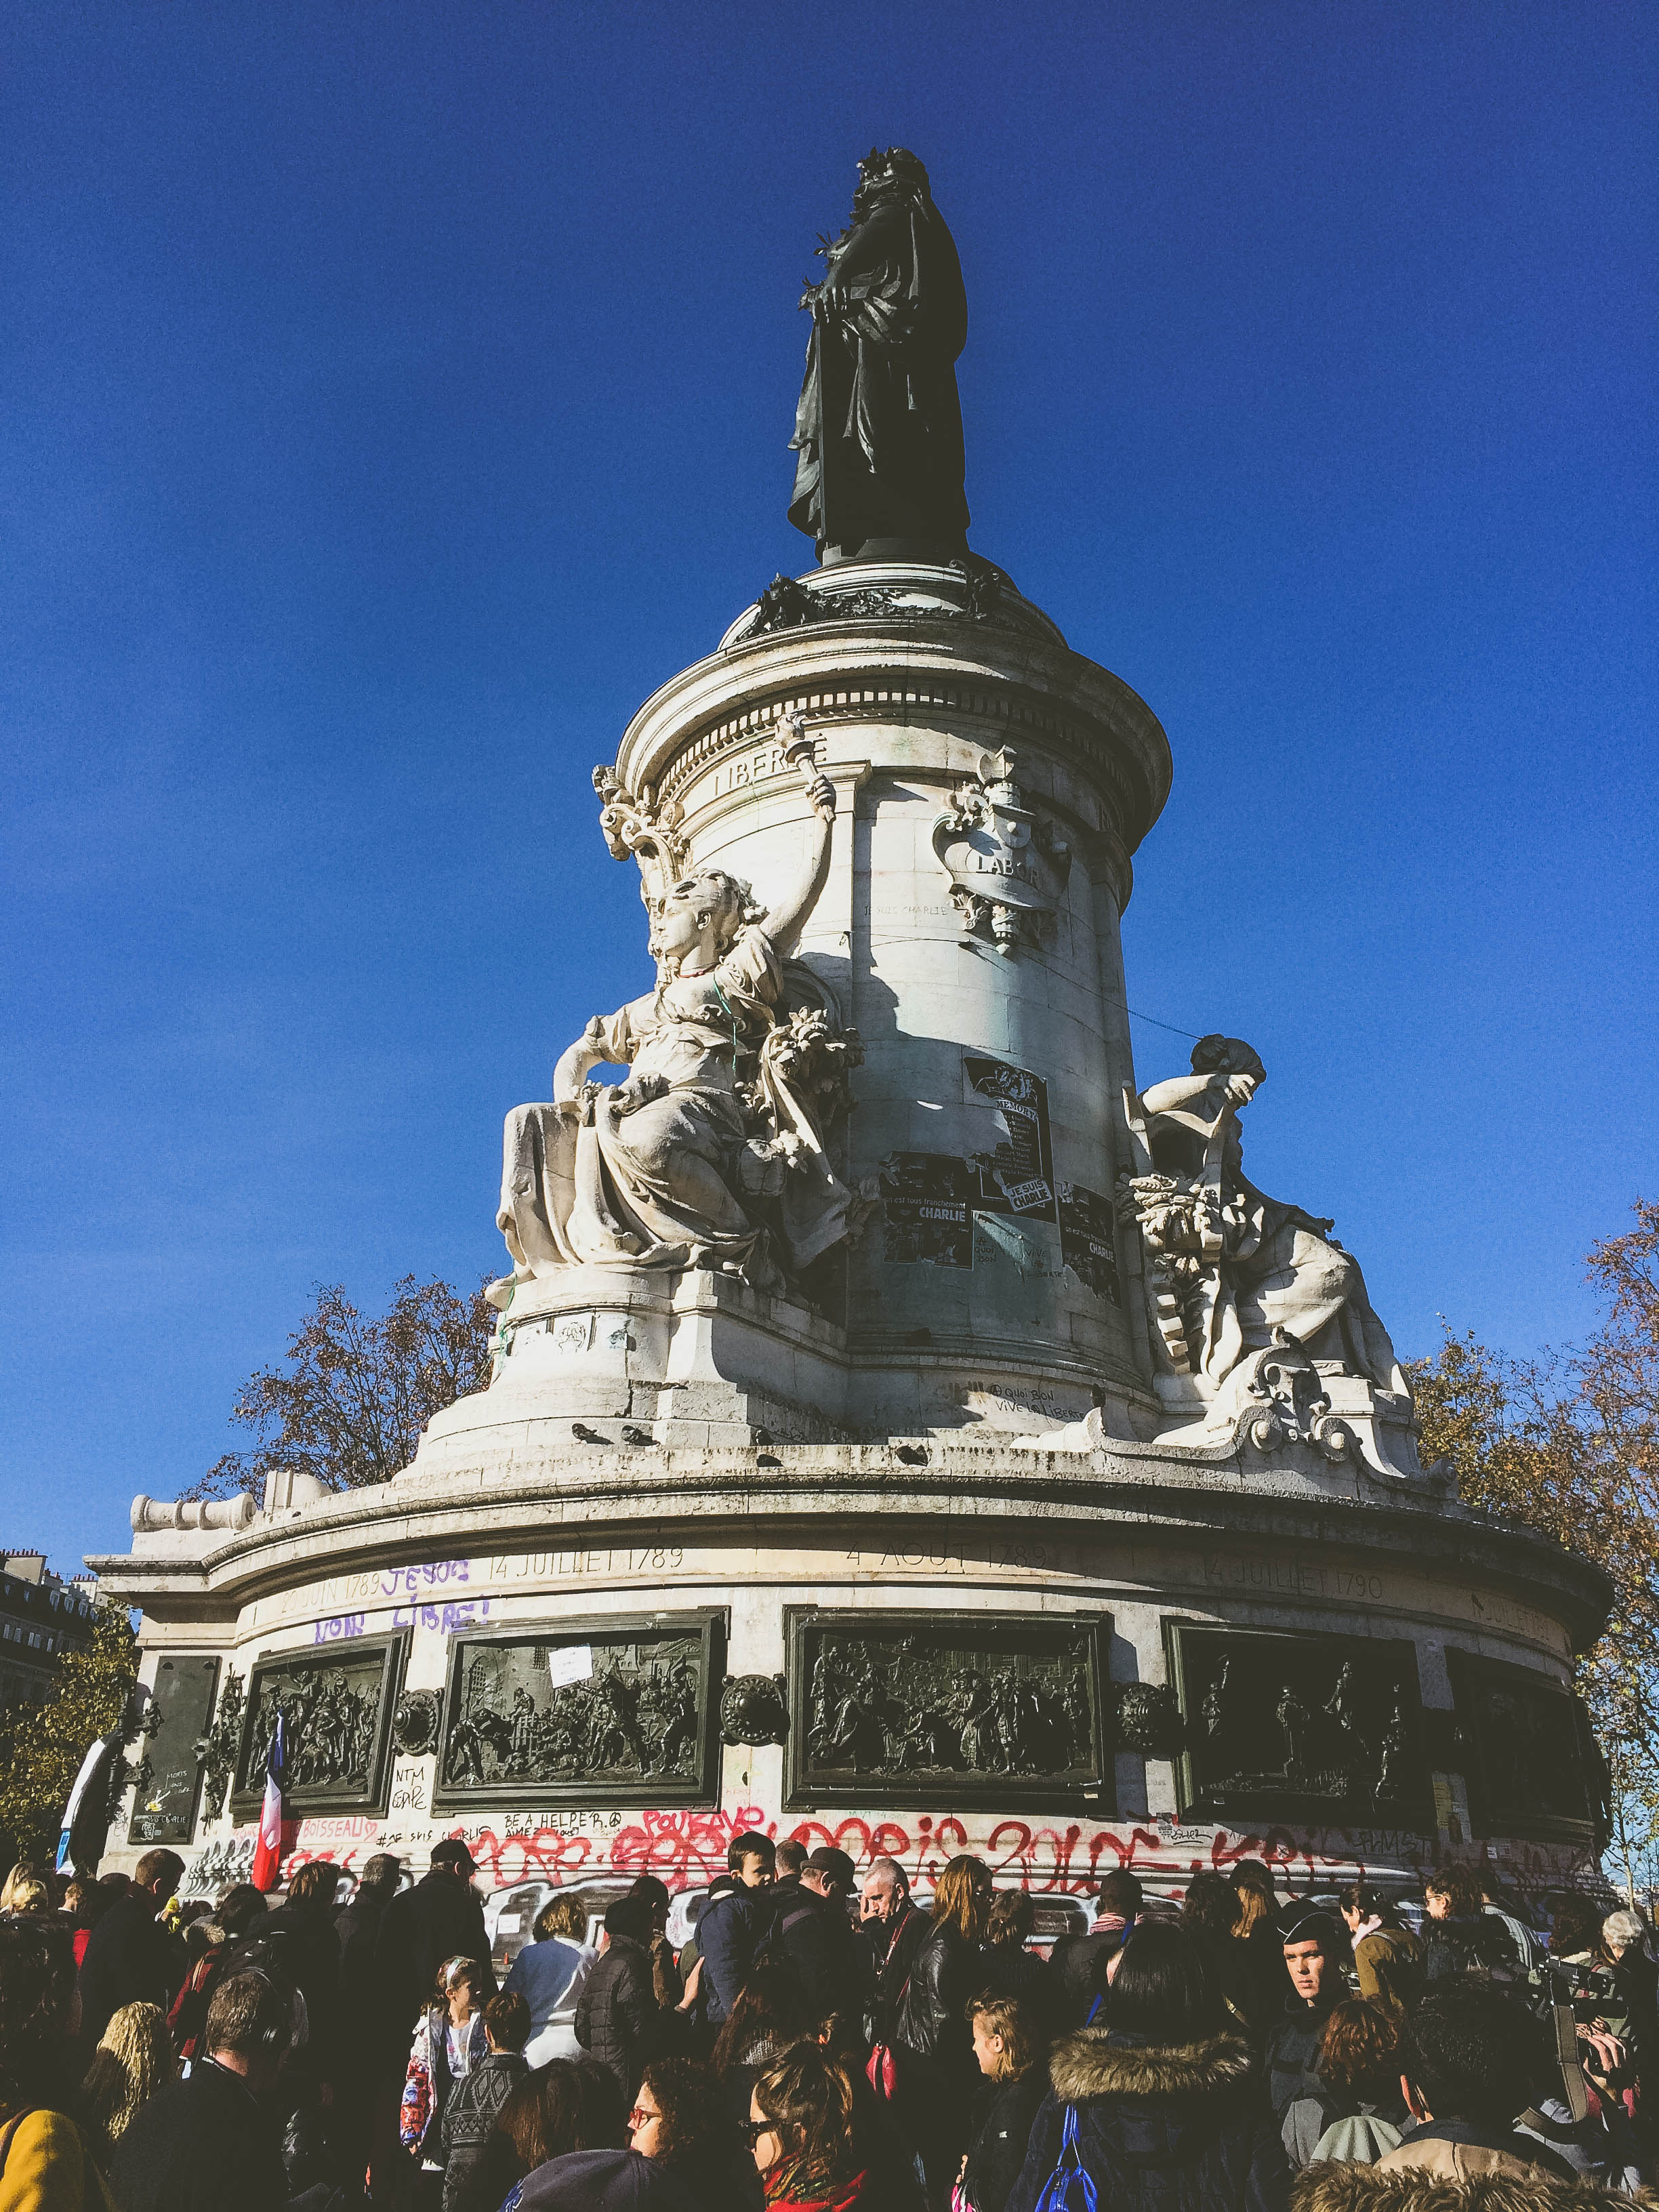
659 1185
1274 1265
894 416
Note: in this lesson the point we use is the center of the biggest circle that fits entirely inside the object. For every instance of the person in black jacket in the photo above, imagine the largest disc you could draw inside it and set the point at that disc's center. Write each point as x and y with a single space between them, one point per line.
1016 2082
207 2144
936 2073
1314 1949
303 1932
129 1958
817 1935
895 1931
1077 1963
440 1918
1209 1914
618 2020
358 1927
1161 2098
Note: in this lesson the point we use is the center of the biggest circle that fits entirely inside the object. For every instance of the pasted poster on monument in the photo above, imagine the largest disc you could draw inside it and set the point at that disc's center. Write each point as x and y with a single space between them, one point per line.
336 1714
181 1701
1290 1725
926 1201
1088 1241
587 1712
1017 1174
956 1709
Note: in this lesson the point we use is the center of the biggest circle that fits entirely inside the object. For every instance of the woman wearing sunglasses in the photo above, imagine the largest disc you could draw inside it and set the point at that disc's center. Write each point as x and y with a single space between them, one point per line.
800 2136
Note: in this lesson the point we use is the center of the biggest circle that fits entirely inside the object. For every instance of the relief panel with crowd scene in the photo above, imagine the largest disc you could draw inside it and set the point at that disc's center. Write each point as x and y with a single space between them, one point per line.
598 1711
336 1719
964 1709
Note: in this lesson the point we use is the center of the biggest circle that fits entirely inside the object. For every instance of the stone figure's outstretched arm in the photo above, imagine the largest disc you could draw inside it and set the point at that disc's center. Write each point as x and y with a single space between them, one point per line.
1182 1089
786 917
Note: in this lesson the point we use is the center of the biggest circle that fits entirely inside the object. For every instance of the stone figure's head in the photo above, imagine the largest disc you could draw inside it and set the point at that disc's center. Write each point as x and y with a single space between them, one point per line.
881 173
698 922
1234 1061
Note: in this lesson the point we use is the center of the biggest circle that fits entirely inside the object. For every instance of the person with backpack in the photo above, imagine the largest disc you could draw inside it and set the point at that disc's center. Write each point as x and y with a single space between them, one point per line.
1358 2113
1460 1938
1156 2106
736 1924
1077 1963
816 1937
241 1909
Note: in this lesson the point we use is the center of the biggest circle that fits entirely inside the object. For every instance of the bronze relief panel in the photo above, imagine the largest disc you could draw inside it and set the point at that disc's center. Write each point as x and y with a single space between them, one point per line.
1293 1725
607 1711
336 1716
964 1709
1523 1750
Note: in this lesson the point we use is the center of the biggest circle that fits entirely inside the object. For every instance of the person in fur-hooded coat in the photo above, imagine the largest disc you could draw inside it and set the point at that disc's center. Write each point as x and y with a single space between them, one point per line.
1330 2187
1169 2112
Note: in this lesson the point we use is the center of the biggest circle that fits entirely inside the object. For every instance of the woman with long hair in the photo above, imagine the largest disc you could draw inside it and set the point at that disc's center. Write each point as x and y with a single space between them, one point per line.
1360 2112
133 2060
937 2070
1256 1929
450 2041
1157 2102
569 2104
770 2014
1210 1911
800 2136
43 2158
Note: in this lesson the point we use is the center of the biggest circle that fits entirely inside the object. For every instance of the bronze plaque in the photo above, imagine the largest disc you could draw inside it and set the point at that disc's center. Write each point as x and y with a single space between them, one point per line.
337 1709
1285 1724
1519 1737
966 1710
611 1712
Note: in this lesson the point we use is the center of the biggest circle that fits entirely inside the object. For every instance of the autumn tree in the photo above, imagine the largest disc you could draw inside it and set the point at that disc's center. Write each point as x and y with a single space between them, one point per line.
92 1695
1569 1445
349 1402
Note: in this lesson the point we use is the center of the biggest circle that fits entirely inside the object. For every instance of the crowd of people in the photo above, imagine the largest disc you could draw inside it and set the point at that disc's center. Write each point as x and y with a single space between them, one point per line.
822 2044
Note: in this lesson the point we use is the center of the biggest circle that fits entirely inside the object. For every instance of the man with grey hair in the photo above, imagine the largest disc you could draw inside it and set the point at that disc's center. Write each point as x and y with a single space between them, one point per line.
894 1930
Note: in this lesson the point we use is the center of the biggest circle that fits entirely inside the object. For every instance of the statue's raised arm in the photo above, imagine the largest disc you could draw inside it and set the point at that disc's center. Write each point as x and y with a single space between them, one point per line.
713 1153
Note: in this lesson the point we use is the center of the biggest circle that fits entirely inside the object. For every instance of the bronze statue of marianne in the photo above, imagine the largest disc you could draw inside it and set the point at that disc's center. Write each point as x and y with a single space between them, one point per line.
878 428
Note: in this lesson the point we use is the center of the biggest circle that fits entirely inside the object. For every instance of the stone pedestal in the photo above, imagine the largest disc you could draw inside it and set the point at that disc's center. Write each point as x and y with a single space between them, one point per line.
940 1521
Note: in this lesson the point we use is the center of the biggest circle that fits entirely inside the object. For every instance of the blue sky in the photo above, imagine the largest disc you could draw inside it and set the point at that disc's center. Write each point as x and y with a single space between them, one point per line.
394 397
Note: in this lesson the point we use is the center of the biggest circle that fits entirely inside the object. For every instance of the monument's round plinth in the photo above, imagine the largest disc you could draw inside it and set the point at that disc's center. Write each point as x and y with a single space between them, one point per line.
1013 1477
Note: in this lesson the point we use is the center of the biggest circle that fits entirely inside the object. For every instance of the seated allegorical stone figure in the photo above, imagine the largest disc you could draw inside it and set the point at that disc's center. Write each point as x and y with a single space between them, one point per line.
712 1154
1227 1265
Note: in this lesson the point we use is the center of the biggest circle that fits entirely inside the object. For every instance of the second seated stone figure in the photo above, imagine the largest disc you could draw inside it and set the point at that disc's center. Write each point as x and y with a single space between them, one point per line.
712 1153
1228 1265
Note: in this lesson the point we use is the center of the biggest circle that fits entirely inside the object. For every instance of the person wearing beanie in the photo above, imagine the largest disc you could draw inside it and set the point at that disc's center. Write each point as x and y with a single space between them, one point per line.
1313 1949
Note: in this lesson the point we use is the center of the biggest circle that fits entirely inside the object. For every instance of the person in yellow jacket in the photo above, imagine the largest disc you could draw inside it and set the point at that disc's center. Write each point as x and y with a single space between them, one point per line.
45 2164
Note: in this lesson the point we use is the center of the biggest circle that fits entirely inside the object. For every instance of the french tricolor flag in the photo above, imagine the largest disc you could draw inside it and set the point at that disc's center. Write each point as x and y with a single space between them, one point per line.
268 1851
